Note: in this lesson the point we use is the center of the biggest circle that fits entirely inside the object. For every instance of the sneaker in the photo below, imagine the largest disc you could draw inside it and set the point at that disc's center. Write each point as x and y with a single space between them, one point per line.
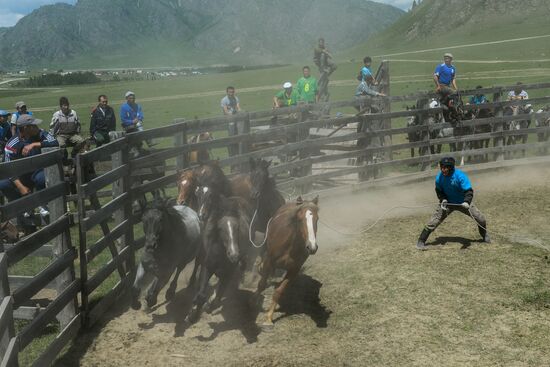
421 245
26 214
43 211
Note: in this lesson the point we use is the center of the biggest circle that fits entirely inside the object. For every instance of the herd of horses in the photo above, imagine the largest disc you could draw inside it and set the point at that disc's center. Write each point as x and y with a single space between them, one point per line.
454 113
213 222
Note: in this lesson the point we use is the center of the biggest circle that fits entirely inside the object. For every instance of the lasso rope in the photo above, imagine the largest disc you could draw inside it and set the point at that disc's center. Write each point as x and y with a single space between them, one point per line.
519 240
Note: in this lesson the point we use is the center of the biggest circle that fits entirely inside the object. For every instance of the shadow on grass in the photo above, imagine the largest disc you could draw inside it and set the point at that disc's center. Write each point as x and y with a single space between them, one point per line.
302 297
446 240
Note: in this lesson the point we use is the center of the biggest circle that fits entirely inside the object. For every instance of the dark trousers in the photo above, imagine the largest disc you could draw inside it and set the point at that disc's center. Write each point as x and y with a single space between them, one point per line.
35 180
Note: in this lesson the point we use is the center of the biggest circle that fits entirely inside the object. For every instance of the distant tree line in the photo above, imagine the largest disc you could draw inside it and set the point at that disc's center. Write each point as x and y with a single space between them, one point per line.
49 80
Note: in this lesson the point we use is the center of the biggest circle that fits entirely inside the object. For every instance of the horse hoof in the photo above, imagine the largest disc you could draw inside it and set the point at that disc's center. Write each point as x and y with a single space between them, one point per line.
170 294
151 301
136 305
193 317
267 326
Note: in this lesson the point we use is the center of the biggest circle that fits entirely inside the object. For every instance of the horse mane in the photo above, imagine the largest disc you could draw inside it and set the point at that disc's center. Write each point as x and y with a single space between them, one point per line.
166 206
217 180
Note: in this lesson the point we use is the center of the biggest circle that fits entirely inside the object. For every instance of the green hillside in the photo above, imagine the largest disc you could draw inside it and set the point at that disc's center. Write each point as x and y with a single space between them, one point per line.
135 33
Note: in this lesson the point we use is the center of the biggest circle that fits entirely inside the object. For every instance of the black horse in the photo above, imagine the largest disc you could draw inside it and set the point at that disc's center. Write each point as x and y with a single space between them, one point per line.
264 193
225 246
172 239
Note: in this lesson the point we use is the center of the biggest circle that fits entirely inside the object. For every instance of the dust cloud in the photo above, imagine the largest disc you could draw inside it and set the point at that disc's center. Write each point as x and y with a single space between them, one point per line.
353 213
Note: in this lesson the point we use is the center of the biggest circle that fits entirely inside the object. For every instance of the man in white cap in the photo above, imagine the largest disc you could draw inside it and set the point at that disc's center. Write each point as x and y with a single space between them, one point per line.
20 109
131 115
28 142
285 98
445 76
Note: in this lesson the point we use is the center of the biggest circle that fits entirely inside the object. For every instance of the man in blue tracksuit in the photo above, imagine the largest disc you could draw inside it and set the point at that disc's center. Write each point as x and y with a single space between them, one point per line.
454 192
131 115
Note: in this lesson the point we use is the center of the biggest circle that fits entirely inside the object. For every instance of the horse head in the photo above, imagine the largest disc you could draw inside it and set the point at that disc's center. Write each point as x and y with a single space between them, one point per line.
187 183
206 199
259 176
307 216
228 226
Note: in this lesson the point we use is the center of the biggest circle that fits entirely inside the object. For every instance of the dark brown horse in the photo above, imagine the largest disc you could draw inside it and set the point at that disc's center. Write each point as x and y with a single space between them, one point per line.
291 238
8 232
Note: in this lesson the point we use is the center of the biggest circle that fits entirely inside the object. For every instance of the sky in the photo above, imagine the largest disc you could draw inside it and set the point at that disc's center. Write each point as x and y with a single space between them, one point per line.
13 10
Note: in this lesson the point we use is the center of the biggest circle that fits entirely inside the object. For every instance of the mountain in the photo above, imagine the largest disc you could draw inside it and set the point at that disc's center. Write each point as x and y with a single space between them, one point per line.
433 24
141 33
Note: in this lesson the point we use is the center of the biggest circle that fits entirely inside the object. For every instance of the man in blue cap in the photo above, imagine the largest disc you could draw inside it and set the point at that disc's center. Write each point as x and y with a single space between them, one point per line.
5 130
455 193
28 142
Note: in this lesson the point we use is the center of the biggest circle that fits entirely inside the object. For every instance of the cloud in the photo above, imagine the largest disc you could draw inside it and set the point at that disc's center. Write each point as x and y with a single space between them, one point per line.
11 11
401 4
9 18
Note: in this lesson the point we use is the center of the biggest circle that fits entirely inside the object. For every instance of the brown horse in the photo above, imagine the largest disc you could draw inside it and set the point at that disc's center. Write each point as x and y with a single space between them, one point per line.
187 184
8 232
200 155
291 238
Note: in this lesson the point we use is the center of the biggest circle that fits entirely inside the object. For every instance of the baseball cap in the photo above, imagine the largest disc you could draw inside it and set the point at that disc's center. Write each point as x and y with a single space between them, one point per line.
26 120
4 113
129 93
448 54
20 104
287 85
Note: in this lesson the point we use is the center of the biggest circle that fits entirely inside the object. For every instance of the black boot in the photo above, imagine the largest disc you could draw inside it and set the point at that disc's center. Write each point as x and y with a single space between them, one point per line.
484 234
421 244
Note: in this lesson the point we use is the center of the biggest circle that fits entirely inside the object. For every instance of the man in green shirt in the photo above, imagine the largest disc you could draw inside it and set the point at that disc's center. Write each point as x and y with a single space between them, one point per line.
285 98
307 87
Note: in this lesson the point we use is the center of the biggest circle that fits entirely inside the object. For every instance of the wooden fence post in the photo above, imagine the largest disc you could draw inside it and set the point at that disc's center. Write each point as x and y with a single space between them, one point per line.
62 243
425 149
498 127
244 146
384 83
82 240
121 186
6 309
180 139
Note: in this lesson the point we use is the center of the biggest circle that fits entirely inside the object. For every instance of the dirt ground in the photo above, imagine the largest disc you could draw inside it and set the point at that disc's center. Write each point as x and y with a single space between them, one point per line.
373 299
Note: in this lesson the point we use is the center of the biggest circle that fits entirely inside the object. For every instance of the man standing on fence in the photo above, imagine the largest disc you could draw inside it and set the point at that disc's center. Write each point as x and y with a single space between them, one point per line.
102 121
65 126
231 106
455 193
28 142
445 77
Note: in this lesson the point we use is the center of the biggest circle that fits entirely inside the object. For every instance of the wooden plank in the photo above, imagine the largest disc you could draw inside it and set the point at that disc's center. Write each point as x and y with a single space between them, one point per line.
98 183
35 328
31 201
103 152
18 281
30 164
42 251
154 185
36 241
26 312
105 212
38 282
105 271
4 282
6 316
56 346
10 358
102 243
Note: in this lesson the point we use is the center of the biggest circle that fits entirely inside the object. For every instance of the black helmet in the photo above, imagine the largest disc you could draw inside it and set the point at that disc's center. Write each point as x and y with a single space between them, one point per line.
447 162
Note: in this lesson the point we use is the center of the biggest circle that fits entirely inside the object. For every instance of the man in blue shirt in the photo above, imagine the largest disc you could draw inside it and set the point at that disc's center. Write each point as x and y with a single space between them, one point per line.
5 130
28 142
454 192
445 76
131 115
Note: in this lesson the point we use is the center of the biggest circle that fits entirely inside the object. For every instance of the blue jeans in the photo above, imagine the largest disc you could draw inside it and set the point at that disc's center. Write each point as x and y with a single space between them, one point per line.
35 180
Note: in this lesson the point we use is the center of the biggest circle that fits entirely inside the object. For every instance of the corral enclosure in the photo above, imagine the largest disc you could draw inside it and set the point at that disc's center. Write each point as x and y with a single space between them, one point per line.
313 151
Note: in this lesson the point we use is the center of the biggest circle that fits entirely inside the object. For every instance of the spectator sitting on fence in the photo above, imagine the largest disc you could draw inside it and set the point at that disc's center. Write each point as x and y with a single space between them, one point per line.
478 98
365 74
28 142
230 103
285 98
65 126
102 121
445 77
5 130
131 115
306 87
20 109
518 93
364 89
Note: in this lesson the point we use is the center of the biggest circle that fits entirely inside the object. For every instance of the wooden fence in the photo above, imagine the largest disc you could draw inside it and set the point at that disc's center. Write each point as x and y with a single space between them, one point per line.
312 151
